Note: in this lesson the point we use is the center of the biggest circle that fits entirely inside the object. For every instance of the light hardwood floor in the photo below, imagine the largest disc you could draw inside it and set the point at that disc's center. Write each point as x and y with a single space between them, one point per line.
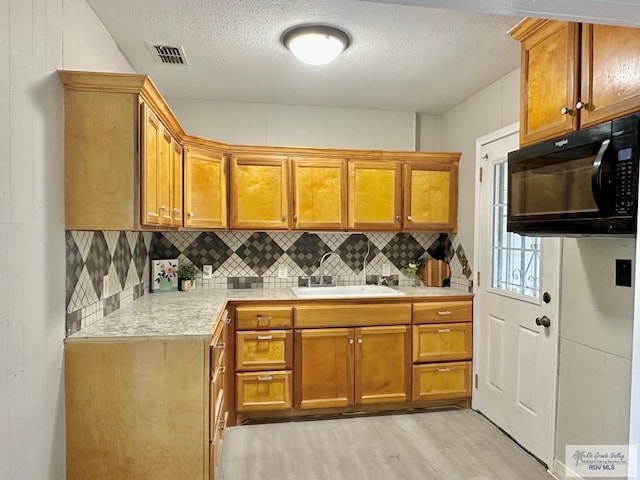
438 445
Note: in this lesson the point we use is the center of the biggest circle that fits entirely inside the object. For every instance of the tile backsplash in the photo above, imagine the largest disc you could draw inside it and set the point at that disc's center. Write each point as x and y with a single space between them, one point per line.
240 260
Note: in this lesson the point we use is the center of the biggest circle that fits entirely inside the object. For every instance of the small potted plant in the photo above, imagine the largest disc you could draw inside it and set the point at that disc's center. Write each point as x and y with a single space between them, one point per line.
414 269
187 275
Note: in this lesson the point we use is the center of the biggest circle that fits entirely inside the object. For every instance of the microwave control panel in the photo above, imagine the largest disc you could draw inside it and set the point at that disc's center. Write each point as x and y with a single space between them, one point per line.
625 182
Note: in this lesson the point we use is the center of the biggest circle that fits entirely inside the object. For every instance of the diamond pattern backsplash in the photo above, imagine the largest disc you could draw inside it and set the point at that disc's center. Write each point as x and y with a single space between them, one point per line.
92 255
239 260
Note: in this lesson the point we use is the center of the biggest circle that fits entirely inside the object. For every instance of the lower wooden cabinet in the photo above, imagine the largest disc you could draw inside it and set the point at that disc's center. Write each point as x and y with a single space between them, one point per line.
267 390
303 358
137 408
437 381
339 367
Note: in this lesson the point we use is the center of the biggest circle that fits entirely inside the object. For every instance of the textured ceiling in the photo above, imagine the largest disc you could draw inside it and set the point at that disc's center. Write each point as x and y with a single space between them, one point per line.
401 57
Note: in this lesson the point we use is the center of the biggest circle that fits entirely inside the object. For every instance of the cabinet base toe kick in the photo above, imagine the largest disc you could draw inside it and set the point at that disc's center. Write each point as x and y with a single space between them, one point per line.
254 417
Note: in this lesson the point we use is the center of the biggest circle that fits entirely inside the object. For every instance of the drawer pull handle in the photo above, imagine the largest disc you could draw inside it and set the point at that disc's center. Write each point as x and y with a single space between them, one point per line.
444 369
265 337
265 378
226 318
221 424
444 312
264 318
219 345
221 369
443 330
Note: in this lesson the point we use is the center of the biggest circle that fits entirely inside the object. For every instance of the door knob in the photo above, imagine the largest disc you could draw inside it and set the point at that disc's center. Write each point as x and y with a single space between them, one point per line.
543 321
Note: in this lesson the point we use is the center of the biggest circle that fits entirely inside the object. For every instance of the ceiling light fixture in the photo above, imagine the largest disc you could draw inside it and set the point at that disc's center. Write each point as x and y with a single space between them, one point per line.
316 44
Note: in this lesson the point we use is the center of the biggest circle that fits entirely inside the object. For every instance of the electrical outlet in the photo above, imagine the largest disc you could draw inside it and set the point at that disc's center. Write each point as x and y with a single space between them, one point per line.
386 270
105 286
207 271
283 271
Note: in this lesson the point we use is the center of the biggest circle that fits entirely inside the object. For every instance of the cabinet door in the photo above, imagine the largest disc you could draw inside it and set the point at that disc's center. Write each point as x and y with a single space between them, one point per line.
430 197
319 194
176 185
382 365
324 368
205 185
259 192
549 83
152 135
165 178
374 195
610 73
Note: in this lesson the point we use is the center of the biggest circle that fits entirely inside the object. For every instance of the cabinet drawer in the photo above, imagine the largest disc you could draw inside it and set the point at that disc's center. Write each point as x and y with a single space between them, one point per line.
216 403
441 381
216 349
352 315
264 350
215 447
443 341
435 312
258 317
263 391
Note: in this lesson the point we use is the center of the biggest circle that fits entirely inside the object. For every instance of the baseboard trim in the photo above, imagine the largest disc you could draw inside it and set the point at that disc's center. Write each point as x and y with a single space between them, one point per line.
560 471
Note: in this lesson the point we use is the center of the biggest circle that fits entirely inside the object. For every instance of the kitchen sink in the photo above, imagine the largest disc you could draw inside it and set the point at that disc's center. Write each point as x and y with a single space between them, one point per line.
346 291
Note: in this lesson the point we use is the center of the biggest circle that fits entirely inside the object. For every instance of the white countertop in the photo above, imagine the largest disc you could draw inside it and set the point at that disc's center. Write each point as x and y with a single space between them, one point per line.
195 313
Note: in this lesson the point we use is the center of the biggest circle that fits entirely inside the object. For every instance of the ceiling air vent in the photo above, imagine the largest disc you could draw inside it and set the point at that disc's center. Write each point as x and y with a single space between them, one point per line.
168 54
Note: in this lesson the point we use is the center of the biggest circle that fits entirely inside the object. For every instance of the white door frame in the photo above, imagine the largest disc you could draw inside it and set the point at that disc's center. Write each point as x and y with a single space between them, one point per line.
480 142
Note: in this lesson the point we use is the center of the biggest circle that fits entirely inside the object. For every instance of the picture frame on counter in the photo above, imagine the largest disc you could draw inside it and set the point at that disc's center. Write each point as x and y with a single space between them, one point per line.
164 275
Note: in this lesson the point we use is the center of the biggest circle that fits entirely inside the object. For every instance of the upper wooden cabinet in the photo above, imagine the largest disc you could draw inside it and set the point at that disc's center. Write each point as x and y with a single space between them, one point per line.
548 83
205 188
259 191
375 194
161 173
431 195
610 80
121 142
574 75
319 191
130 166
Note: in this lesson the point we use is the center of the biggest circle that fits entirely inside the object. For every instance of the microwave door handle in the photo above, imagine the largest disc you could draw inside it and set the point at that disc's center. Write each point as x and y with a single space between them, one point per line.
596 177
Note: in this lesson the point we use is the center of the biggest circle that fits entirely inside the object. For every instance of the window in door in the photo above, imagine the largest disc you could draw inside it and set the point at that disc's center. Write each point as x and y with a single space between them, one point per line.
515 260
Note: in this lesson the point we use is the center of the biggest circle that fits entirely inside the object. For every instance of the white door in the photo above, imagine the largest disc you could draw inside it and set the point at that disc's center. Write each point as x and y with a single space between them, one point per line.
515 357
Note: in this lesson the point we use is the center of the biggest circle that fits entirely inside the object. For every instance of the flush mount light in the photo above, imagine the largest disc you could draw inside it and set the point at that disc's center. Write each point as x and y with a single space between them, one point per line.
316 44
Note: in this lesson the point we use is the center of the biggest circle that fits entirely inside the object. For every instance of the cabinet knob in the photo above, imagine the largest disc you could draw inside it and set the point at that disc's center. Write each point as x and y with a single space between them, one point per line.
163 207
284 218
176 211
580 105
564 110
410 218
295 217
351 341
397 218
360 341
190 214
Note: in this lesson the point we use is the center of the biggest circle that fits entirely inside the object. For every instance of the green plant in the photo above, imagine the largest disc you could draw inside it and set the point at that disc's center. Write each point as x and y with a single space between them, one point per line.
410 268
187 271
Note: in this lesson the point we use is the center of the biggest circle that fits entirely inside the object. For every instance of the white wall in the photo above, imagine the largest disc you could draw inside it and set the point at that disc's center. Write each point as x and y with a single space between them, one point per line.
596 324
296 125
492 108
37 37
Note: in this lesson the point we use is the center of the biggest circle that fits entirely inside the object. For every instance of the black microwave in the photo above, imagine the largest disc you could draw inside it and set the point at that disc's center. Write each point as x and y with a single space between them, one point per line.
584 183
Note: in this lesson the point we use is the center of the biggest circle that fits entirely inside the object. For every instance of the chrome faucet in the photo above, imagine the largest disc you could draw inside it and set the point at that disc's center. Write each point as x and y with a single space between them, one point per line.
328 254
